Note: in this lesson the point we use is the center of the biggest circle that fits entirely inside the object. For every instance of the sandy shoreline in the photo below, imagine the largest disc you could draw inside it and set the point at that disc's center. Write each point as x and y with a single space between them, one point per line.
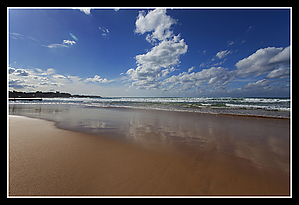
47 161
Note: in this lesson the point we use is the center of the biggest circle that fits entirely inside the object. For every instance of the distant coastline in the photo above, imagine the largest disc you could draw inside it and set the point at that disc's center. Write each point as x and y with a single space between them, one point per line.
40 94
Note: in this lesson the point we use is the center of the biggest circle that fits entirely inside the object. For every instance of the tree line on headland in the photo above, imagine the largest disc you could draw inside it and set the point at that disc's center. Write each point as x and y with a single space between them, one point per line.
40 94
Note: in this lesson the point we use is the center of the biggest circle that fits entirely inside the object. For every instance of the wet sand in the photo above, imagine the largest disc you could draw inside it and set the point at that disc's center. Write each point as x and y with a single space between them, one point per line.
47 161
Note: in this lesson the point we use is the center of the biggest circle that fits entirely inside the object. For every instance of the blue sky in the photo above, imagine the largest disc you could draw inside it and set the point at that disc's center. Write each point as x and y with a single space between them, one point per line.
150 52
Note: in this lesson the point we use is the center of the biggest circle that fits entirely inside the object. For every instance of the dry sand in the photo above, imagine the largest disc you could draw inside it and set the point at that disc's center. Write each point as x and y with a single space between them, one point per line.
45 160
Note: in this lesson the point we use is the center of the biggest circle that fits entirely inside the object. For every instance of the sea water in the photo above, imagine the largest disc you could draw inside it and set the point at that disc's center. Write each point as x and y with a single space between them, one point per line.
265 107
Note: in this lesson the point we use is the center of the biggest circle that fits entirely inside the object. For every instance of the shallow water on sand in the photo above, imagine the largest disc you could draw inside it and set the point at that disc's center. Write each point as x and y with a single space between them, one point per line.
263 141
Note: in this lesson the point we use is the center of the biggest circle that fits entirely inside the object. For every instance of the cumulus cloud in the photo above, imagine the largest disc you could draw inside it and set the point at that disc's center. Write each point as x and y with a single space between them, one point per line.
18 72
264 60
281 58
271 61
162 58
282 72
22 72
155 21
11 70
21 78
16 84
29 79
165 54
213 76
154 66
96 79
48 80
150 65
260 83
262 86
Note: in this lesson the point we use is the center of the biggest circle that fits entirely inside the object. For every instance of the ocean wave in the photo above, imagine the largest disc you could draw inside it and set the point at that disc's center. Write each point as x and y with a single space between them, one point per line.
273 107
227 105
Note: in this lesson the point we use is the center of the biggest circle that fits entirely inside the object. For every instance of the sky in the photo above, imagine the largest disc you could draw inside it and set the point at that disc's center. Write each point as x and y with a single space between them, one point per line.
150 52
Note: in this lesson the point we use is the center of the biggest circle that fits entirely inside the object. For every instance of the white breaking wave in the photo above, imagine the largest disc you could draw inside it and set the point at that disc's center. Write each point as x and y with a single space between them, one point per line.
228 105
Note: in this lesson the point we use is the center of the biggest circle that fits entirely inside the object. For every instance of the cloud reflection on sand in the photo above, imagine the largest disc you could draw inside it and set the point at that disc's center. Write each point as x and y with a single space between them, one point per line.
265 142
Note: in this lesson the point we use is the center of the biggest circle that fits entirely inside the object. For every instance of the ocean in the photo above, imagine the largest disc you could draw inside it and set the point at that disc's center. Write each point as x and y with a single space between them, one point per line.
264 107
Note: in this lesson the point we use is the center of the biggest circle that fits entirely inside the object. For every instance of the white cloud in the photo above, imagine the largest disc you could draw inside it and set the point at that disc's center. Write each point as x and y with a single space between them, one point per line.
161 60
74 78
104 30
16 36
263 87
55 45
271 61
219 63
50 71
149 65
157 22
58 76
283 57
165 54
49 80
65 43
17 84
96 79
69 42
29 79
260 83
264 60
39 70
190 69
86 10
18 72
23 78
260 86
282 72
11 70
216 76
229 43
22 72
222 54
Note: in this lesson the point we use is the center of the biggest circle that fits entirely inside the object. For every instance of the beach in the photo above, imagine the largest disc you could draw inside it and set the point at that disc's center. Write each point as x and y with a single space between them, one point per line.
160 158
159 102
